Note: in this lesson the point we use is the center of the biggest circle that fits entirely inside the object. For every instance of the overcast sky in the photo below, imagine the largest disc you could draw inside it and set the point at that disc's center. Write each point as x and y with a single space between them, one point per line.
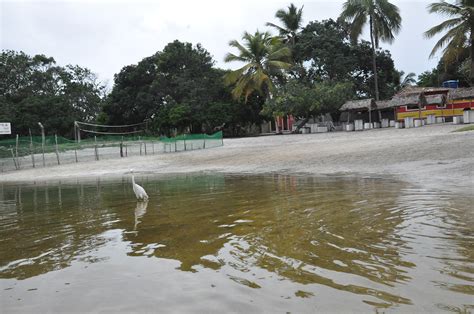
104 36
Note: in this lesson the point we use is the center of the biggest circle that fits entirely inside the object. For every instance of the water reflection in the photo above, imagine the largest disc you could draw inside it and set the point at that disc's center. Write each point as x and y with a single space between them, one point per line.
140 211
390 244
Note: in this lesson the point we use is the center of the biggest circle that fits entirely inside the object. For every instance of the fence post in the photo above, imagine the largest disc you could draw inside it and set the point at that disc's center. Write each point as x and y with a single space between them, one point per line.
32 151
96 151
152 148
121 148
57 150
184 141
140 142
144 143
75 153
204 145
13 157
16 151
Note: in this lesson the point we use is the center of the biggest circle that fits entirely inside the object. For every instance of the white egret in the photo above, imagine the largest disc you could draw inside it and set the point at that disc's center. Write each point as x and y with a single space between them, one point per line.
140 192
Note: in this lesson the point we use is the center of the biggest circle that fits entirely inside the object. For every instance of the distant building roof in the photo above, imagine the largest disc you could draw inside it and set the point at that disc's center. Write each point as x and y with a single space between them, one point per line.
410 99
461 93
384 104
363 104
416 90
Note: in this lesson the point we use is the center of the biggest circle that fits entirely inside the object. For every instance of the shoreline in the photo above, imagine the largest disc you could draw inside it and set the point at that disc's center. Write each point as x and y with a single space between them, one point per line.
431 157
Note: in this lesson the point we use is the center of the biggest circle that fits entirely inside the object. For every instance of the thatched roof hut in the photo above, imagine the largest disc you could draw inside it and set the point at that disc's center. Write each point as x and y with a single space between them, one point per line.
363 104
384 104
461 93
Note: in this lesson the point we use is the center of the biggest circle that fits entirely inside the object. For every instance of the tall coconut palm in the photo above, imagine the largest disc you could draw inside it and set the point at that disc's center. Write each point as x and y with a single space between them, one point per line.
459 30
291 20
265 57
384 22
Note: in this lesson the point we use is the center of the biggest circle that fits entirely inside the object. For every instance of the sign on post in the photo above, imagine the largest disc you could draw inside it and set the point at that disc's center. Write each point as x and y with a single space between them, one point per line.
5 128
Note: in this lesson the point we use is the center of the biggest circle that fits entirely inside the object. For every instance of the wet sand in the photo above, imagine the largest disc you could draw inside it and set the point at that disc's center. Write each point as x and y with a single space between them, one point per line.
431 156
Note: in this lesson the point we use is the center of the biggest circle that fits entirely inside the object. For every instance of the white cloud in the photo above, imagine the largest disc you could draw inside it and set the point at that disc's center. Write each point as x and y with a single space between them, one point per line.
107 35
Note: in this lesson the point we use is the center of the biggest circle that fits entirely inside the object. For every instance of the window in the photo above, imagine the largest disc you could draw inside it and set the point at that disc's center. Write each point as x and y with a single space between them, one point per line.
413 107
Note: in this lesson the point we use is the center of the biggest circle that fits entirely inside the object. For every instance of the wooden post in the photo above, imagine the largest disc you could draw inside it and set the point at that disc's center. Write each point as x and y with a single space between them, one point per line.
16 151
57 150
95 148
152 148
32 150
121 148
140 142
75 153
144 143
184 141
42 140
14 160
204 145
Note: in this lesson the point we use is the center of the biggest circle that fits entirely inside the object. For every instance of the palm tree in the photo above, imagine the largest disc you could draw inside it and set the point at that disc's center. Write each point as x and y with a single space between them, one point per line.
292 20
265 57
384 22
459 29
407 80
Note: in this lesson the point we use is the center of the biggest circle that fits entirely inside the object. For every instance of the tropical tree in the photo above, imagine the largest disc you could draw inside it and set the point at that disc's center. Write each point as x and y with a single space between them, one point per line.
384 22
266 58
459 30
408 79
291 20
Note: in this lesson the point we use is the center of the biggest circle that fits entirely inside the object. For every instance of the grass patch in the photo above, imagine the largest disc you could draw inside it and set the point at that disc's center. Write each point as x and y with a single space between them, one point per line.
466 128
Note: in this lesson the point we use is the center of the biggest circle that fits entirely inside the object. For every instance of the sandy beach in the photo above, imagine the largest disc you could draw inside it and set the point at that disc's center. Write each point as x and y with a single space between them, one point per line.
431 156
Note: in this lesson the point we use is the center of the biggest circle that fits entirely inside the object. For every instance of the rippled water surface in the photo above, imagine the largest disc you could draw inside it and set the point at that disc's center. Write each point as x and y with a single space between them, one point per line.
213 243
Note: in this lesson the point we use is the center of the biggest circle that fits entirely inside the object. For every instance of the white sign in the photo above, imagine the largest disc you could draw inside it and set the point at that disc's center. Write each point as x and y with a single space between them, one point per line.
5 128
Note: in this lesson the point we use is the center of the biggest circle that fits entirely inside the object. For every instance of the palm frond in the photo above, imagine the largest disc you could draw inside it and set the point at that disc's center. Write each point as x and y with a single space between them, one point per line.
442 26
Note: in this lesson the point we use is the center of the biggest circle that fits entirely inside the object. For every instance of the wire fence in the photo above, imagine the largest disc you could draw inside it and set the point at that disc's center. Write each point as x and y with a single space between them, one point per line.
35 151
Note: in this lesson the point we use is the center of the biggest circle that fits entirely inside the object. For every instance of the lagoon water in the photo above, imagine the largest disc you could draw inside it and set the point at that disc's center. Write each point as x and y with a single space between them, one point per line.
223 243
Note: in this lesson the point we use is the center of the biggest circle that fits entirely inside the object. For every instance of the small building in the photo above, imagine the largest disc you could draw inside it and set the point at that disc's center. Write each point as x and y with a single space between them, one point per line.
461 99
363 109
386 109
420 102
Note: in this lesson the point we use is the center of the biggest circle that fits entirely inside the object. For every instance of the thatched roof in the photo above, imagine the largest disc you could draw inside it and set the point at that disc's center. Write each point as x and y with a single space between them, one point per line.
461 93
398 101
363 104
384 104
415 90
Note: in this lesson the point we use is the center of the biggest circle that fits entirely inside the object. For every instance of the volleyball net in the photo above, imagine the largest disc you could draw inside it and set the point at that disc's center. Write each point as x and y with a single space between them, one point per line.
96 142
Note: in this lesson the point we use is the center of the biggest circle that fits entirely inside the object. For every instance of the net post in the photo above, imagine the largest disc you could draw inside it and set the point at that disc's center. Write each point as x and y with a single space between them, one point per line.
121 148
31 150
16 151
95 148
57 150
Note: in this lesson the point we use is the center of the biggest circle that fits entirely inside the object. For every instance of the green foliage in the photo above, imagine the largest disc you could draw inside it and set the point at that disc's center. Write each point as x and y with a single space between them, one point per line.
291 20
304 101
177 90
35 89
326 50
384 22
266 58
457 42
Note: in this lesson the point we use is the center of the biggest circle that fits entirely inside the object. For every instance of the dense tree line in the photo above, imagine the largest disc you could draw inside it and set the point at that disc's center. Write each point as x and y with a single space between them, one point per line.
35 89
